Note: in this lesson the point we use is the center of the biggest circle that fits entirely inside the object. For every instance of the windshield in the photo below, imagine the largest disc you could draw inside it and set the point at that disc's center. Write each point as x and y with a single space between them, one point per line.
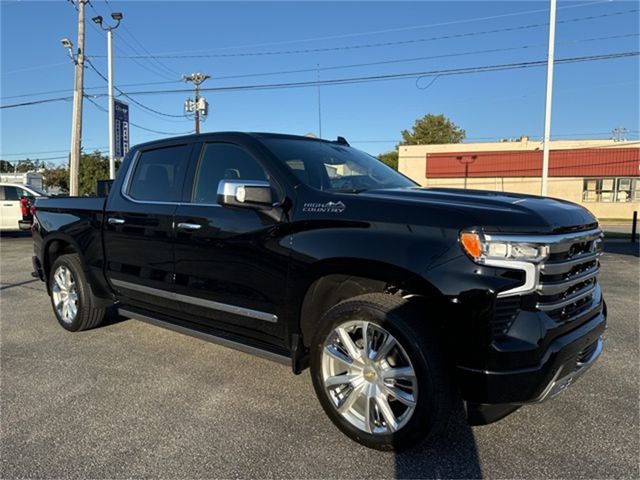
333 167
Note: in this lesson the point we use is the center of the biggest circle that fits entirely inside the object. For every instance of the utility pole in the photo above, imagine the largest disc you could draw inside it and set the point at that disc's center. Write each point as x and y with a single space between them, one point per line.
78 96
200 105
547 111
619 134
117 16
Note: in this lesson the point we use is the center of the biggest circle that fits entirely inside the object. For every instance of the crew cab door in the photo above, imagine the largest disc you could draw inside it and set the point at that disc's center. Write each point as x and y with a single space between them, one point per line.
138 227
231 262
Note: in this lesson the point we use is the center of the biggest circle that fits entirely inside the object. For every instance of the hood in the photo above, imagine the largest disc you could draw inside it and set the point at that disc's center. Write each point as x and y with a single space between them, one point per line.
498 211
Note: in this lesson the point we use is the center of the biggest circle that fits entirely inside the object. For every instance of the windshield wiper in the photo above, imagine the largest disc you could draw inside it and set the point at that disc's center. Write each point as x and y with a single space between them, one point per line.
349 190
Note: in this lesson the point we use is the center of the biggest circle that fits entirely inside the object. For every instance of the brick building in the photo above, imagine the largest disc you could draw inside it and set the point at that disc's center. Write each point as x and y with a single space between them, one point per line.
602 175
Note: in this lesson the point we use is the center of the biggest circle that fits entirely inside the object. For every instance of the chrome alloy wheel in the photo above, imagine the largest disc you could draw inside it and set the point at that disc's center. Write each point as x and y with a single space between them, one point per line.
65 294
368 377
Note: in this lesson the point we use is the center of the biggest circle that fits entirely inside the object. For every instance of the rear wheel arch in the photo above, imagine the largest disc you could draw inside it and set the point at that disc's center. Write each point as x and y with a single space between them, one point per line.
53 249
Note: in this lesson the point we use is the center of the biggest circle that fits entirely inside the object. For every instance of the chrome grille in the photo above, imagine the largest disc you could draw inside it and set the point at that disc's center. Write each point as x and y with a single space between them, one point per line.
568 279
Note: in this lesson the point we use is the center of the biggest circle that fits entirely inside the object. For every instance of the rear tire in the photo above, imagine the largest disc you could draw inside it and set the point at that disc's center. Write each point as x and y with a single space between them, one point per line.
379 374
71 297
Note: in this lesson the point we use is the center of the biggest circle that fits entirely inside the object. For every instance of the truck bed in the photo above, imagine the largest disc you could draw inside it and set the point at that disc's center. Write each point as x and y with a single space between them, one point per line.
70 204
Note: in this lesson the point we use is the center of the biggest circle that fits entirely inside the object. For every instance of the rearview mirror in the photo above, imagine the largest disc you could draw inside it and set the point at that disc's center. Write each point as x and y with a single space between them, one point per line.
245 193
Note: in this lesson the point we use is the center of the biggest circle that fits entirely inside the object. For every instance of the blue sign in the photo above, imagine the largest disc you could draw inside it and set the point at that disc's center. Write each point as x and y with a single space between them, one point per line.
121 127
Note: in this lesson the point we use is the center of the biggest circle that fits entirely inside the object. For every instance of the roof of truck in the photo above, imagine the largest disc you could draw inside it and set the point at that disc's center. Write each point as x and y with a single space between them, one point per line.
248 134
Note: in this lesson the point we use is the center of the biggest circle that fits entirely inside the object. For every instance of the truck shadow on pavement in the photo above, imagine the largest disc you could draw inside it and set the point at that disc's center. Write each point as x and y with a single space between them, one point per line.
453 455
20 234
622 248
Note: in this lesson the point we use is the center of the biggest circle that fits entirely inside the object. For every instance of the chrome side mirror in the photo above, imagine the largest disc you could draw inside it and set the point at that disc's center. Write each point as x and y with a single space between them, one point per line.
245 193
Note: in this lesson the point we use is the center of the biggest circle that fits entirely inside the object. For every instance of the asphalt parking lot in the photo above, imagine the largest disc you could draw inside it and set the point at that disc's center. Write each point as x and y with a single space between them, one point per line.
132 400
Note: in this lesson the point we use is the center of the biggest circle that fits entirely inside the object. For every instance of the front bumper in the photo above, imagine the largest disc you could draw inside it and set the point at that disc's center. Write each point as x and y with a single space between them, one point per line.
491 395
570 372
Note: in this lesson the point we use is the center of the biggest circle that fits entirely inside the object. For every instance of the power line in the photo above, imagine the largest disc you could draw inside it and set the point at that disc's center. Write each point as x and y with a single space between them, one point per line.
141 105
385 44
46 151
429 57
150 68
390 30
346 66
128 32
188 132
366 79
36 102
102 109
396 76
137 84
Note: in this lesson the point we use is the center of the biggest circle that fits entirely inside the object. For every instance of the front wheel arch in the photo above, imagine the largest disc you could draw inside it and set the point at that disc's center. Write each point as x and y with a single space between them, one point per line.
332 287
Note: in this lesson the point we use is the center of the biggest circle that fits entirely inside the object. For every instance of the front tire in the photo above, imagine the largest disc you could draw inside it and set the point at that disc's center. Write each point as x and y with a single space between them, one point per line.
71 297
378 372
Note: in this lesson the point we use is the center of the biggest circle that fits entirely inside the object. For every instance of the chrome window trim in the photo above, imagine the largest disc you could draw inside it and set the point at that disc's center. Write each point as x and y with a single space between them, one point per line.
126 185
201 302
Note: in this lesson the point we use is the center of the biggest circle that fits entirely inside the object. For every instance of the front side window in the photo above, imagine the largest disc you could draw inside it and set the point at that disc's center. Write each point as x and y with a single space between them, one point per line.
223 161
334 167
159 174
14 193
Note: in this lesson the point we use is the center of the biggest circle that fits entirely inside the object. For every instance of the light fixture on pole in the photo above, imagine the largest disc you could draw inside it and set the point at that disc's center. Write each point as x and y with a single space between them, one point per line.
117 16
199 106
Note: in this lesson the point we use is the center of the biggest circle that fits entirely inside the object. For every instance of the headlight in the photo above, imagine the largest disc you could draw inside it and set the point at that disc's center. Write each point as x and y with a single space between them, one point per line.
476 245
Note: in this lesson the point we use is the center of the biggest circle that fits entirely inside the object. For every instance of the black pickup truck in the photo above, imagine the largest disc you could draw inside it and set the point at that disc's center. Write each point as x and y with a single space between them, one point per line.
405 302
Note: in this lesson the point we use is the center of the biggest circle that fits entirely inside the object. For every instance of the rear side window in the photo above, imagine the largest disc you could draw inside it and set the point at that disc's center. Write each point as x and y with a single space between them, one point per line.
159 174
223 161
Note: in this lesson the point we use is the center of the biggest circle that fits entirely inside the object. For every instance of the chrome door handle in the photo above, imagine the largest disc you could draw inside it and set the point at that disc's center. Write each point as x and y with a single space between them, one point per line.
189 226
8 205
115 221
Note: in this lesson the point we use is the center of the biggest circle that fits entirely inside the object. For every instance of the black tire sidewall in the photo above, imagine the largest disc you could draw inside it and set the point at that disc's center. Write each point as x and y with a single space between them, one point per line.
72 262
430 387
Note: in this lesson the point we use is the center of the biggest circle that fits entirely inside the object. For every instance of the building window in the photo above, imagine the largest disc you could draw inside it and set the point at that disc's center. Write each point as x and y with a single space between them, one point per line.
611 190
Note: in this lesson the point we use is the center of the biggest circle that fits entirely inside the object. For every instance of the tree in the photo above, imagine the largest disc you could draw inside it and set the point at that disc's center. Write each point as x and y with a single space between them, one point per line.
6 167
432 129
390 158
93 167
56 177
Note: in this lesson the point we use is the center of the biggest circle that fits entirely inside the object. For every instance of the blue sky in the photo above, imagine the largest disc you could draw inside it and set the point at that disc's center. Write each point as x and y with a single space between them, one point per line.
590 98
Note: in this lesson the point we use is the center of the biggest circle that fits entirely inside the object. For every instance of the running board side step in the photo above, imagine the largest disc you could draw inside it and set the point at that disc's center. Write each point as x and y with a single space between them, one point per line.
203 335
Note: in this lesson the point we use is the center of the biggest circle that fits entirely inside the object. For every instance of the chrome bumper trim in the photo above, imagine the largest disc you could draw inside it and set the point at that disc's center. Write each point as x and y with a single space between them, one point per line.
559 385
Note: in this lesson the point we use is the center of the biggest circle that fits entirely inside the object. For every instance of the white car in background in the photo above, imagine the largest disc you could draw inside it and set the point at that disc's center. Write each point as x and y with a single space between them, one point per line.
10 210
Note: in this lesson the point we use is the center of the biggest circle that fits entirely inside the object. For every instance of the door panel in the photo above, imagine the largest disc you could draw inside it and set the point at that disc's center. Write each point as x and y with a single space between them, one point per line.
231 269
138 228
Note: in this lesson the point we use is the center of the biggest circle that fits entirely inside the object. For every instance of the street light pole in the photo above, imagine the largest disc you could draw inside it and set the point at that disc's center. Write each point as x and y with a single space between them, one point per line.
547 112
117 16
112 147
